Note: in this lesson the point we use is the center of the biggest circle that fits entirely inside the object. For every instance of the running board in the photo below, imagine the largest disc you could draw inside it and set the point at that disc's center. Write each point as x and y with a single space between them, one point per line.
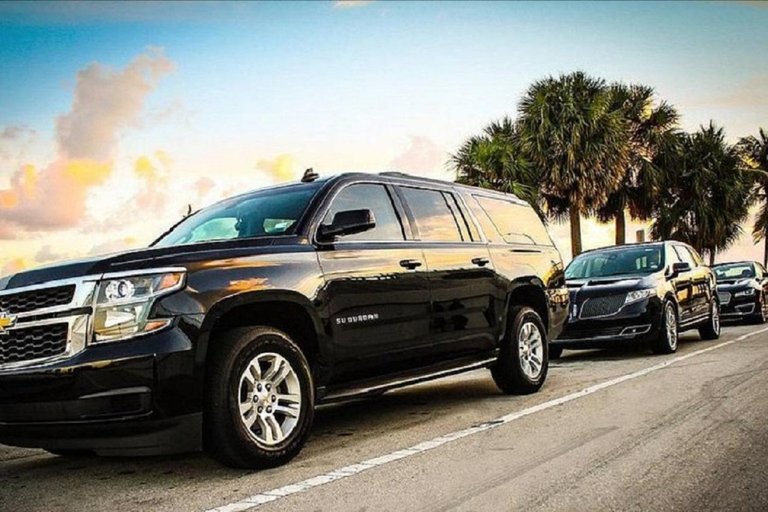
362 389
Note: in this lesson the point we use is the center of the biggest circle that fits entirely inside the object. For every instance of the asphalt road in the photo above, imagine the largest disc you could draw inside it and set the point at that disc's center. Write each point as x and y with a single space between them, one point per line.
610 431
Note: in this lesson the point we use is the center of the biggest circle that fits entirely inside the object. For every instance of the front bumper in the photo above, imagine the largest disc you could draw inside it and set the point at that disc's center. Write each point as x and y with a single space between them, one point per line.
732 306
137 397
635 324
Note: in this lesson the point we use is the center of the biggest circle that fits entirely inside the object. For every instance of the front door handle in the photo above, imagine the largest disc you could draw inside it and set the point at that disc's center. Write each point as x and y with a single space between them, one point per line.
410 264
480 262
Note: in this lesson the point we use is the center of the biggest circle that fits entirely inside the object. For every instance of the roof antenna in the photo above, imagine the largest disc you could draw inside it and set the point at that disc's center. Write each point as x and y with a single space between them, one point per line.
309 176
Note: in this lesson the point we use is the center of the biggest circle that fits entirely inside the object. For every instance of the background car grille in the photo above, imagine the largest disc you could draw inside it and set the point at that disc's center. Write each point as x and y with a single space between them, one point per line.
30 343
602 306
37 299
724 297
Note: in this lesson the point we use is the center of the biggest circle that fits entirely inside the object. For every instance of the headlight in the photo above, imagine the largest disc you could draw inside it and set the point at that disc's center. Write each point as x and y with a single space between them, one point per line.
745 293
123 304
638 295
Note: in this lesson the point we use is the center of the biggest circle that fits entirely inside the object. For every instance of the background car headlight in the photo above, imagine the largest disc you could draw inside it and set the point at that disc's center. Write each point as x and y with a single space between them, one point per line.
123 304
638 295
745 293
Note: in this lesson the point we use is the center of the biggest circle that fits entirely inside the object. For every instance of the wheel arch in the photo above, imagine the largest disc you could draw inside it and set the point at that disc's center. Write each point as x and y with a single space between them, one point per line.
528 292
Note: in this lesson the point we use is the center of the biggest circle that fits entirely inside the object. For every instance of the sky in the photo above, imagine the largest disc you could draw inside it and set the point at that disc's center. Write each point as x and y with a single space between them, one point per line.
116 117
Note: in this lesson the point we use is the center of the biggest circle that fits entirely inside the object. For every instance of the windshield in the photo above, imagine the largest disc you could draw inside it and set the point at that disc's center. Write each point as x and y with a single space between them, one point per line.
264 213
635 260
735 271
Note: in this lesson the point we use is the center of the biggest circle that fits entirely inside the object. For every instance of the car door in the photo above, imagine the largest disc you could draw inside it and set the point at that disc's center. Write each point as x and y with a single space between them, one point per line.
681 282
462 281
376 288
702 287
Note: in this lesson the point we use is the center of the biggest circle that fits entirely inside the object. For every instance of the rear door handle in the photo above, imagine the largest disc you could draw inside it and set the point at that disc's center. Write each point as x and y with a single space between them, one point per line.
410 264
480 262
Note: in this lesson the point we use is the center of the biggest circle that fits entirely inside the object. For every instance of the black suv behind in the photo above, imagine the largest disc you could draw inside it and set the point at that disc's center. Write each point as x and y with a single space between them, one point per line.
231 328
640 293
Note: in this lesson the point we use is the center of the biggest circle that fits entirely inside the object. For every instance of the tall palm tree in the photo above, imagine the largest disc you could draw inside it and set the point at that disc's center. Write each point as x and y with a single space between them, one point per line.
754 153
650 126
494 160
705 195
576 142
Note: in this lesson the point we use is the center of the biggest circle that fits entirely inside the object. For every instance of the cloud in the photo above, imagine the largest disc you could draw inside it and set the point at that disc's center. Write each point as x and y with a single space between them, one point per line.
422 157
345 4
113 246
281 168
13 266
203 187
47 254
105 102
14 132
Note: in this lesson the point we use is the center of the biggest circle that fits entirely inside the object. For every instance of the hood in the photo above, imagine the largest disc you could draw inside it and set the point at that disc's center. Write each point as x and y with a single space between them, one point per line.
146 258
581 289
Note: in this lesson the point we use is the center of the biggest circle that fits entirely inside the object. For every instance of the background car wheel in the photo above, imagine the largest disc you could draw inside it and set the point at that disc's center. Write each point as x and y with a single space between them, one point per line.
666 343
555 352
711 329
522 365
259 399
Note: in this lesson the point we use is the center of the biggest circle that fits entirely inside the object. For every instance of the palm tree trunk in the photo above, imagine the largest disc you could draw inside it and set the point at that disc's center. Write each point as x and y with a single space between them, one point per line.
573 211
712 257
621 228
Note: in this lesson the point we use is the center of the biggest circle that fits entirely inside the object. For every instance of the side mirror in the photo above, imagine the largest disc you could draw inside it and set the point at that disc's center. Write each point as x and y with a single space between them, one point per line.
350 222
679 268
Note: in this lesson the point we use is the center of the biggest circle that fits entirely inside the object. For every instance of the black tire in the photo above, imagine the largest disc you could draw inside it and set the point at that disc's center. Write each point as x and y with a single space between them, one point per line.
226 437
508 372
711 329
760 317
666 342
555 352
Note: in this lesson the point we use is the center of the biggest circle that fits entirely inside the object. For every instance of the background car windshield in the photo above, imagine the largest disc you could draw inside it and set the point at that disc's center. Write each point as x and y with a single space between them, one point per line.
270 212
735 271
639 260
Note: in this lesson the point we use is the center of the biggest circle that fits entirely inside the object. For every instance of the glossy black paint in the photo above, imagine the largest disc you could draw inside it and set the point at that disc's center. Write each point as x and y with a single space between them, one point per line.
743 298
360 310
692 291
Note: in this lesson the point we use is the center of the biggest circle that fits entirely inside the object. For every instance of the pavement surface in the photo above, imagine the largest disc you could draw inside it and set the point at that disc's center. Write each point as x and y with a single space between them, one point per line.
611 430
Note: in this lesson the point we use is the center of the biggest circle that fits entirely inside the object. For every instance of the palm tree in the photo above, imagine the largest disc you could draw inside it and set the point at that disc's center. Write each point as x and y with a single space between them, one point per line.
494 160
650 128
576 142
705 195
754 153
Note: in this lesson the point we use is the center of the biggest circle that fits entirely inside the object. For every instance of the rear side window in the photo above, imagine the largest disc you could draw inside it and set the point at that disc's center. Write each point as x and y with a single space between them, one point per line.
517 224
685 255
372 197
434 215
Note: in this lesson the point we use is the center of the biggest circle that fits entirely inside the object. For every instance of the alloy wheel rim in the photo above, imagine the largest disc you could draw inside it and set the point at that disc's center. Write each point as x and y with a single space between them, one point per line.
269 398
671 326
531 349
715 318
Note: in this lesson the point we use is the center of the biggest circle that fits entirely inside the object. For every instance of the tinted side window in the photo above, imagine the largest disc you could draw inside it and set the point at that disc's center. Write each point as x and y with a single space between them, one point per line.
375 198
516 223
433 215
685 255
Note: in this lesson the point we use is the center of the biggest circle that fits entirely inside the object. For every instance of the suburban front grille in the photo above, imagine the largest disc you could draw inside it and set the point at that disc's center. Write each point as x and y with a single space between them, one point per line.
602 306
29 343
32 300
724 297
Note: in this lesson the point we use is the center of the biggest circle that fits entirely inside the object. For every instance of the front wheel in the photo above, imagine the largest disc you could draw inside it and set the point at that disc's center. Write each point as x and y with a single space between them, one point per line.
666 342
760 316
711 329
260 399
521 368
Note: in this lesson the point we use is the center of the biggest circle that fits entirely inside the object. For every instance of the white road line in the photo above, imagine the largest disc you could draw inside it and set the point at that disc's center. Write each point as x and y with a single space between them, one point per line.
345 472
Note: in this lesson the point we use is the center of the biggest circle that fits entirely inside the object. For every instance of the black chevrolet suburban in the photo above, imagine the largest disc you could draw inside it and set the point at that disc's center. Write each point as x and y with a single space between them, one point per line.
229 330
641 294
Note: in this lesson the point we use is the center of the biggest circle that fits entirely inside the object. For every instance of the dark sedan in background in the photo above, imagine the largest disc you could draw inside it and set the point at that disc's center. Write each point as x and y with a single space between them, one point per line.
742 287
641 293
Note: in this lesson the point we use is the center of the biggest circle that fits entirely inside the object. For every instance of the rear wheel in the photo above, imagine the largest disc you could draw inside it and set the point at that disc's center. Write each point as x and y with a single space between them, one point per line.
760 316
666 342
260 399
522 365
711 329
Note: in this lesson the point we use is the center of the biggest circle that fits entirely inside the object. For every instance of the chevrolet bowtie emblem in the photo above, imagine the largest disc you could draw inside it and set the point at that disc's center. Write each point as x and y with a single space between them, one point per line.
6 321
